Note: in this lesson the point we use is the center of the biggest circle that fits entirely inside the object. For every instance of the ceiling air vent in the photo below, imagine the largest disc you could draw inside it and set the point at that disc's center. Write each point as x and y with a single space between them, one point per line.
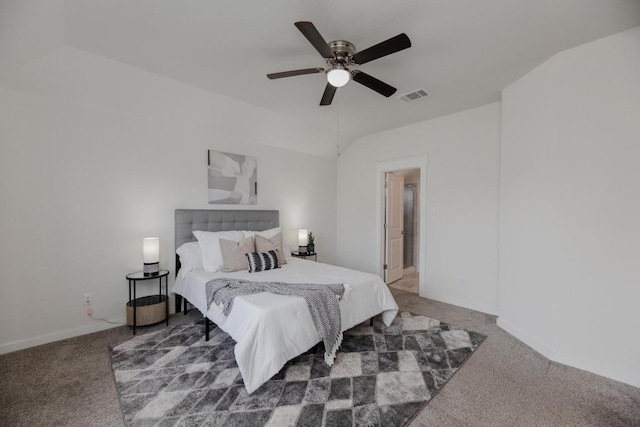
412 96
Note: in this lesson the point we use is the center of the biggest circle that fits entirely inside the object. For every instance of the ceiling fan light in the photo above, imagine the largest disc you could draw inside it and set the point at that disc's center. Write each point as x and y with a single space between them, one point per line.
338 77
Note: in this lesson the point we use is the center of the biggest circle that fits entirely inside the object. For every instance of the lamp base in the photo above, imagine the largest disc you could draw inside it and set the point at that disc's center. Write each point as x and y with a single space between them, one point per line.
151 269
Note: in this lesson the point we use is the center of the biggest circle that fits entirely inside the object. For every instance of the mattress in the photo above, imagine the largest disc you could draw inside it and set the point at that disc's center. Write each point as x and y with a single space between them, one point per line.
271 329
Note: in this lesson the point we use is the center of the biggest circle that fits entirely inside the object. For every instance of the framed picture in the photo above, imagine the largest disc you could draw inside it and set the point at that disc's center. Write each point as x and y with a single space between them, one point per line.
232 178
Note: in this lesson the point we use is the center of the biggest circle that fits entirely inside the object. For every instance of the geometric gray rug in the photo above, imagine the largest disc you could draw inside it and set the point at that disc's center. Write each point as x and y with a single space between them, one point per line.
381 377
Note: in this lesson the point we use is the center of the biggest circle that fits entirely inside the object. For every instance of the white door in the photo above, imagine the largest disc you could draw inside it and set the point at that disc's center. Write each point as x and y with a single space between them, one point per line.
394 227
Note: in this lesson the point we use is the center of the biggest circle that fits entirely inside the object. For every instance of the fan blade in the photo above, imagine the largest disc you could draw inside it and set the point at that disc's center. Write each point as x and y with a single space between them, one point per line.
328 94
372 83
295 73
387 47
311 33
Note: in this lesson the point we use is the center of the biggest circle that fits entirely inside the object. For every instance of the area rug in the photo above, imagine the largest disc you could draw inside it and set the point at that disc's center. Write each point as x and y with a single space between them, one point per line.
382 376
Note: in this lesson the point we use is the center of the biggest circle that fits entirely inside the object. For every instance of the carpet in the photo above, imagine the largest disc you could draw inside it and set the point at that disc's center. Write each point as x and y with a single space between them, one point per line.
382 376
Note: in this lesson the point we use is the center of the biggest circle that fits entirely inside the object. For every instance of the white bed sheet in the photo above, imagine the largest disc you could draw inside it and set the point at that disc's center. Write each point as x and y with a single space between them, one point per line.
271 329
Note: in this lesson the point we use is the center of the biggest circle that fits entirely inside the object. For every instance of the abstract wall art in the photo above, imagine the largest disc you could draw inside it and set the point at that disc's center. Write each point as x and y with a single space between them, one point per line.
232 178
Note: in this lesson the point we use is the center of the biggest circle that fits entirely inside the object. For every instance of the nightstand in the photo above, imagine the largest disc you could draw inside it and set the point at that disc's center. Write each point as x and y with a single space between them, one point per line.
149 309
305 255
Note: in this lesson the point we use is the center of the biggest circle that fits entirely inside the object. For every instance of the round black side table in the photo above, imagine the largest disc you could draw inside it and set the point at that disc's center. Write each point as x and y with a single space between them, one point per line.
150 303
304 255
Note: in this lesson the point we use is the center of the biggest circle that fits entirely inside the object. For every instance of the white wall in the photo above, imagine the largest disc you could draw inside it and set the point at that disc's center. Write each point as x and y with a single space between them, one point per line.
28 30
462 187
85 78
98 157
570 205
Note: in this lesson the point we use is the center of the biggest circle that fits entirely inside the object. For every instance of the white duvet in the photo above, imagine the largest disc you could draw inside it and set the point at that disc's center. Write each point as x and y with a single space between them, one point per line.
271 329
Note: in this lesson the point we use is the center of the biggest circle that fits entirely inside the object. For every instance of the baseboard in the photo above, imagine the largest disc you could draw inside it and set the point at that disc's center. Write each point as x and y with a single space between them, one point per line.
452 301
57 336
574 362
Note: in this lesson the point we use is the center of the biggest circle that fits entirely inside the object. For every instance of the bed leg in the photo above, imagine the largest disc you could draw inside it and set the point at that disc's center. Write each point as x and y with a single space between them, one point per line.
184 311
371 322
178 302
206 328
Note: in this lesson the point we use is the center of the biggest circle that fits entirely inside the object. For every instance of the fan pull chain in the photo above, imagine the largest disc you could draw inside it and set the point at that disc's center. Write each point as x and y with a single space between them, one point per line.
338 121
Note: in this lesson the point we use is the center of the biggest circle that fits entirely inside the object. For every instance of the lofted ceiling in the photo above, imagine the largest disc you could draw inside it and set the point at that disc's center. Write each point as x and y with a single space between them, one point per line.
463 52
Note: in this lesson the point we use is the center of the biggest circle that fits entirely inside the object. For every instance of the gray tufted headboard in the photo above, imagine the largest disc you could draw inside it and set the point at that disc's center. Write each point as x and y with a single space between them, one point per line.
188 220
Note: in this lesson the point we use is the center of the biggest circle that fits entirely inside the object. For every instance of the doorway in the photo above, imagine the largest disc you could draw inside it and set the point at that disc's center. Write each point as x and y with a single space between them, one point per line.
398 165
402 214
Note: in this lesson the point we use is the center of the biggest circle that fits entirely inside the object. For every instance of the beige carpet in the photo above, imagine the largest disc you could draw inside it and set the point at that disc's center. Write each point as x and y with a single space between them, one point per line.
505 383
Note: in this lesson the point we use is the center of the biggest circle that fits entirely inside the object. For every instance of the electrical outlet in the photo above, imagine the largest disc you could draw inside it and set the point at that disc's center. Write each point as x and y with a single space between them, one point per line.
88 299
89 311
461 281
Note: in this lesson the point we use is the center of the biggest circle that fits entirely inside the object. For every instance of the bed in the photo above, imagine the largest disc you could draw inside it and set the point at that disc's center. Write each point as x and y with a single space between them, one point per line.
271 329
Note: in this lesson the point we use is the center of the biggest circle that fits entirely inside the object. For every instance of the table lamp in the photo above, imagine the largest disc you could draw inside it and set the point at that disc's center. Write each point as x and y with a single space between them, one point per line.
151 256
302 240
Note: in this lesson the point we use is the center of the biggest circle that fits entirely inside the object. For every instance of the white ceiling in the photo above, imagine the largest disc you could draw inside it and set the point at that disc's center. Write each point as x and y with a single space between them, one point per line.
464 52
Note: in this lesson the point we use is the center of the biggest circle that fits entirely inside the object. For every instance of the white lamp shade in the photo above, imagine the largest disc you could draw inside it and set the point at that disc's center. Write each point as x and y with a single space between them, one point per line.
151 250
338 77
303 236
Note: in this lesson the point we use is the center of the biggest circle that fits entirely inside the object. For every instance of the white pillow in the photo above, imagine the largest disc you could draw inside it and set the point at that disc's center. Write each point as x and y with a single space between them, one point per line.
190 257
268 234
209 242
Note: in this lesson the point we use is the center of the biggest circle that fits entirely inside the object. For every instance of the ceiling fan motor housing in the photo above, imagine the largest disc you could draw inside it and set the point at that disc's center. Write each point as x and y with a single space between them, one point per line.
338 74
342 52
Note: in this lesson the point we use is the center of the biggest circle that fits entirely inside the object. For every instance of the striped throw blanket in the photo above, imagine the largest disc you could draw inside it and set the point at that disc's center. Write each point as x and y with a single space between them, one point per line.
322 301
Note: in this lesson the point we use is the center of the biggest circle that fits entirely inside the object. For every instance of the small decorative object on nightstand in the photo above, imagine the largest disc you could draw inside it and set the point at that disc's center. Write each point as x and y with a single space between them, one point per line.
311 247
305 255
150 309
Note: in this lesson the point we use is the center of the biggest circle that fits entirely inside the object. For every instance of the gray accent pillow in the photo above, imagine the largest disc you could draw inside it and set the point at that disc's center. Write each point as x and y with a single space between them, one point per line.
273 244
233 254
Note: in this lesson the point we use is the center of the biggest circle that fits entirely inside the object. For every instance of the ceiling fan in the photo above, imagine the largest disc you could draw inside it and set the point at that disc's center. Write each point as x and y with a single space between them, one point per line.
341 57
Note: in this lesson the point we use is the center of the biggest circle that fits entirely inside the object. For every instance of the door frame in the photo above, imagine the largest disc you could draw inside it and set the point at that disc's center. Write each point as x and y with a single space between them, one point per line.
382 167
